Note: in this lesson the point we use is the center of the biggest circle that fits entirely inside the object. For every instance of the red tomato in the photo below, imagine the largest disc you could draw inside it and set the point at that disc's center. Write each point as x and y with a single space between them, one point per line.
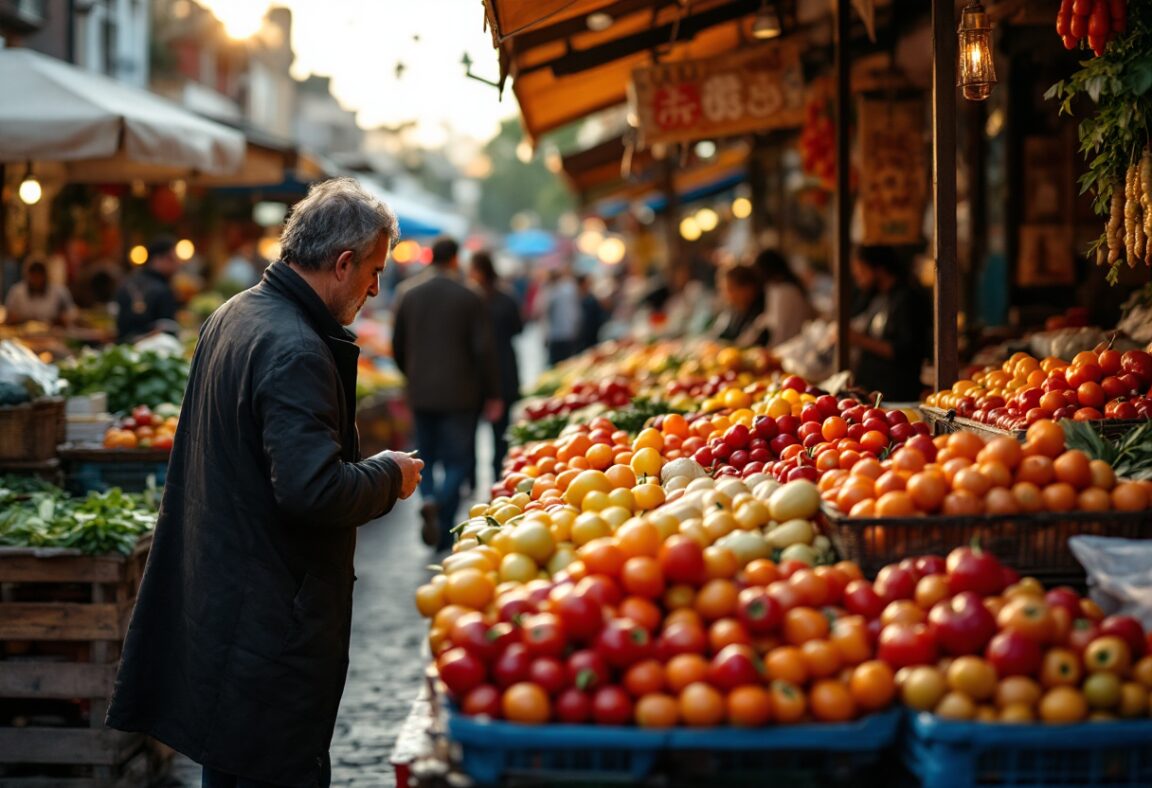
549 673
1083 632
962 625
483 700
972 569
460 671
682 559
1014 654
1065 597
1127 629
623 642
861 598
901 645
470 632
895 582
612 705
587 670
512 665
601 590
681 638
573 706
581 616
543 635
735 666
758 611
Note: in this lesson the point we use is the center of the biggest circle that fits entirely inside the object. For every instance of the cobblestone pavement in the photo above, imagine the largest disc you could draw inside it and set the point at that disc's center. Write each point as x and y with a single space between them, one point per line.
387 652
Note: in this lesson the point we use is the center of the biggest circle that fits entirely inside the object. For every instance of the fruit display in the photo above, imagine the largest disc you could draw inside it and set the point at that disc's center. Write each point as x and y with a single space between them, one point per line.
144 428
798 434
971 642
1096 384
1098 21
965 474
817 137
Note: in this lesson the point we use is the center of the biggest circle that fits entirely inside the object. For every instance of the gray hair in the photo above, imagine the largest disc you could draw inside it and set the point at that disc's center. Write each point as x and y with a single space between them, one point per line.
338 215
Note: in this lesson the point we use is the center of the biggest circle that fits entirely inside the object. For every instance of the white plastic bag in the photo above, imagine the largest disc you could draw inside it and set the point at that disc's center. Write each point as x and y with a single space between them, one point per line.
1119 574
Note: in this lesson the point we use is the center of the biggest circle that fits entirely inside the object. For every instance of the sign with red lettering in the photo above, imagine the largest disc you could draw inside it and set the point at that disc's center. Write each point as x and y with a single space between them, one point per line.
893 171
750 90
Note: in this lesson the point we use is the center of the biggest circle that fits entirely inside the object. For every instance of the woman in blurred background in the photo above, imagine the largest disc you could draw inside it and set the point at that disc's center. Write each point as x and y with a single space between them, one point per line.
786 304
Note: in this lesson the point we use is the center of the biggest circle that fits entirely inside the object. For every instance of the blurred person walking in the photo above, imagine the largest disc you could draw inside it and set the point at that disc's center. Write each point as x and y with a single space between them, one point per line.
237 651
443 343
558 303
506 324
34 298
146 301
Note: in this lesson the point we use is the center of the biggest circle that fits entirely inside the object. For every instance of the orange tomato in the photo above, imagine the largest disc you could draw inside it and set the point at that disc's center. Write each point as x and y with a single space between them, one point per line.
685 669
761 572
788 701
727 631
821 658
872 685
638 538
644 678
749 707
927 490
831 701
701 705
526 703
786 663
641 575
657 710
1044 437
1059 497
802 624
642 611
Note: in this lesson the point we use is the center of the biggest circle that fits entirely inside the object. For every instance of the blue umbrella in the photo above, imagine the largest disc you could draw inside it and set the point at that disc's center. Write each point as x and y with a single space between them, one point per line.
410 227
529 243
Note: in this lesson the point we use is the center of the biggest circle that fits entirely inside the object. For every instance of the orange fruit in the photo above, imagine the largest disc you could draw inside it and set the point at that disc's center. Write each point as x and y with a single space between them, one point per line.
971 480
716 599
1028 497
821 658
1036 469
1129 497
962 502
997 473
1059 497
786 663
965 444
1001 500
685 669
644 678
1044 437
895 504
1102 475
657 710
873 685
927 490
1072 467
1094 500
802 624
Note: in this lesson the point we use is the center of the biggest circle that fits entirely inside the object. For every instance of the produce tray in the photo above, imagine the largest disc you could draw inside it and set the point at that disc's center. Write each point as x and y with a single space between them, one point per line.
947 754
492 752
99 470
1033 544
946 421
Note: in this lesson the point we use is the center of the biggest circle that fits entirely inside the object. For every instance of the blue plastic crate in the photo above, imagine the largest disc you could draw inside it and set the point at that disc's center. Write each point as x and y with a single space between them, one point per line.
946 754
493 751
86 477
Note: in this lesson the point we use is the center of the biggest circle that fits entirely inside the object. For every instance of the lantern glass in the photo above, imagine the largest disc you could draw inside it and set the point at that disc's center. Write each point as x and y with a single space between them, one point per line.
977 69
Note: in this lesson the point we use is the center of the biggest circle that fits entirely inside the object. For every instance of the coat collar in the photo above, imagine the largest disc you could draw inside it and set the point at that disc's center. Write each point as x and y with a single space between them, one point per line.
280 277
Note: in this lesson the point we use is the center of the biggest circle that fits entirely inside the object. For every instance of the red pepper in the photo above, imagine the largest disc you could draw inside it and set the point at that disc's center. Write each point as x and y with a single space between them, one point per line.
1082 7
1071 42
1079 26
1064 18
1098 25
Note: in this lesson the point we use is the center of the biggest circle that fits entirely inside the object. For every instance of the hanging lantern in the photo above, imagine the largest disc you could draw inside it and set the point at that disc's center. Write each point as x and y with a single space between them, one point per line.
977 71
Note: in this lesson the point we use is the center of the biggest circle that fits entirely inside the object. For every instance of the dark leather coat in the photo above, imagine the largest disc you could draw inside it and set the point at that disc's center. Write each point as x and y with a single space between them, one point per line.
237 650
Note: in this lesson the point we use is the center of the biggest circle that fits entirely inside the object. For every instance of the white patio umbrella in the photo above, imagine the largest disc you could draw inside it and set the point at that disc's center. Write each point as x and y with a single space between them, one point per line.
100 129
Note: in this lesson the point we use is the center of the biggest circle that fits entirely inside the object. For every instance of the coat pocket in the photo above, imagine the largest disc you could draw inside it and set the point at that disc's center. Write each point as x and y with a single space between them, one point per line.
320 620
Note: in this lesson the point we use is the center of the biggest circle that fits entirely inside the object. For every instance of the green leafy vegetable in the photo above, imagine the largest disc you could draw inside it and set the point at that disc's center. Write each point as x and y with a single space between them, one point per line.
129 377
1129 456
42 515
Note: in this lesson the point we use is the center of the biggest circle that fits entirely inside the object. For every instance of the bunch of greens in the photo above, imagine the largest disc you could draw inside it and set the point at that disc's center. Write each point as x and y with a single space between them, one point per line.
633 417
130 377
1129 456
543 429
101 523
1115 134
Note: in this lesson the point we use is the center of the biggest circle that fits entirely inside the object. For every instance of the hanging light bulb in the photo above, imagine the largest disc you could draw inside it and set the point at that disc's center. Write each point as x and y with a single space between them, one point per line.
767 22
977 72
30 191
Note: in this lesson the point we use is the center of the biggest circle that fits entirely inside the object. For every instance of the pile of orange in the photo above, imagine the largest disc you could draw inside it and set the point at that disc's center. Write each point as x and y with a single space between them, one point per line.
971 476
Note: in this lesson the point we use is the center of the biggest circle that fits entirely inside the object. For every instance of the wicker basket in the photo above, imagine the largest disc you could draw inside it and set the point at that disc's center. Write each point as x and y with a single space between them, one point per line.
31 432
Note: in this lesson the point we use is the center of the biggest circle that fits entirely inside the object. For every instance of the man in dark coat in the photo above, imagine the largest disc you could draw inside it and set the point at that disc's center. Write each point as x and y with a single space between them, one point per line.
146 300
442 341
238 647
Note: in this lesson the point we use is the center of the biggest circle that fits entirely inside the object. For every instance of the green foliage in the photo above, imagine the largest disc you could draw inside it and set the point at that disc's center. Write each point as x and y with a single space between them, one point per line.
515 186
42 515
1116 129
129 377
1129 456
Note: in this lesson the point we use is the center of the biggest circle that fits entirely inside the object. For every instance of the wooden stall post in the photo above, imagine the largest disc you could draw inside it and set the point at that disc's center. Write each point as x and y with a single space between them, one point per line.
947 351
842 240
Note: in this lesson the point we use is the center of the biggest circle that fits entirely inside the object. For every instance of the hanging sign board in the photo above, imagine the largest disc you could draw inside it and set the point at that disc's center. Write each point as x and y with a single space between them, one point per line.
893 171
750 90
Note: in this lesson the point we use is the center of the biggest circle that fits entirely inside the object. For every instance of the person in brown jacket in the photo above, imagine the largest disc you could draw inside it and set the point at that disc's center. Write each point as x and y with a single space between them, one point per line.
442 341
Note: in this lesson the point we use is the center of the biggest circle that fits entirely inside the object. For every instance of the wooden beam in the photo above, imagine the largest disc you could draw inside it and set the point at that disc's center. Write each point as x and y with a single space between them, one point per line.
947 349
65 680
59 621
64 569
842 239
94 746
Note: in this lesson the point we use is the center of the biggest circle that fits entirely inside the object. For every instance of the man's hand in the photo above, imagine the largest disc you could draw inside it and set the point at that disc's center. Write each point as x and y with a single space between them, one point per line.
410 468
493 410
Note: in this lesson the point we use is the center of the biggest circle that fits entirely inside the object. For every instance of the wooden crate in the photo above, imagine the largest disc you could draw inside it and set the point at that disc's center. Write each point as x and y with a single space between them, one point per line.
63 617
